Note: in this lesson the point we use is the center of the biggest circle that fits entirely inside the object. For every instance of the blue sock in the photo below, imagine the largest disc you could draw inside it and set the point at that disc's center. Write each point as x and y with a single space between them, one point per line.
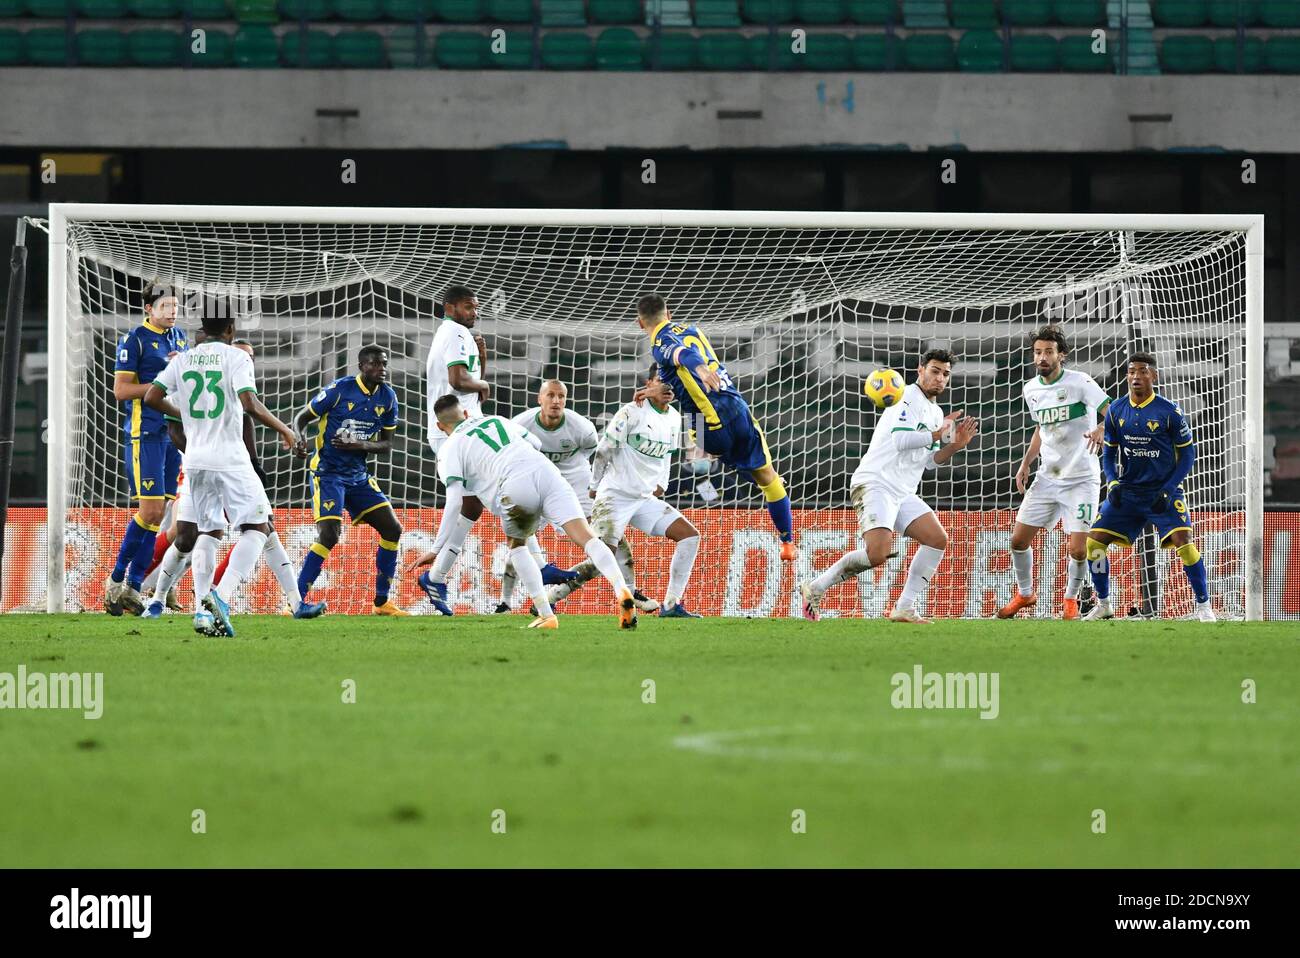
1100 569
143 559
130 545
386 569
1194 566
311 567
778 507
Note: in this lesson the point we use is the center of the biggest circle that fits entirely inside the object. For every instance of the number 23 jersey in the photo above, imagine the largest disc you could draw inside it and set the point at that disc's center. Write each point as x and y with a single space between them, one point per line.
205 383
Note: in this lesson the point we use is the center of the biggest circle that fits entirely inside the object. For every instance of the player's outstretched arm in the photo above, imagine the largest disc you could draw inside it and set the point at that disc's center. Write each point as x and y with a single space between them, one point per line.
1031 455
253 406
966 430
155 398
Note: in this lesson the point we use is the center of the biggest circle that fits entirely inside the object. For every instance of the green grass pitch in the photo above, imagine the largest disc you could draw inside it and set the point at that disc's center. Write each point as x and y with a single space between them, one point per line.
752 720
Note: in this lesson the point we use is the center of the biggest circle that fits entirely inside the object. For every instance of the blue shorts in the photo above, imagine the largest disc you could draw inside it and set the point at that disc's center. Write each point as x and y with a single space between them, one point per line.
330 495
153 465
737 441
1129 518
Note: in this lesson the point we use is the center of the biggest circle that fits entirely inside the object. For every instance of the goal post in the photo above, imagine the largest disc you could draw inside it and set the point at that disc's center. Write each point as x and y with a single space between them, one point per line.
801 305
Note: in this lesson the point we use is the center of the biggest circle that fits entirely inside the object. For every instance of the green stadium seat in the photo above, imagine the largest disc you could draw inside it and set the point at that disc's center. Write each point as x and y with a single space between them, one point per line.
614 11
207 9
980 51
148 9
409 47
1180 13
974 14
309 49
563 13
1080 13
929 51
767 11
306 9
717 13
1077 56
1251 59
668 13
510 11
517 54
672 51
10 9
877 51
618 48
218 50
566 50
358 11
101 9
1034 53
828 52
1183 54
1227 13
51 8
1282 54
460 11
254 11
11 48
722 51
360 50
256 47
874 12
456 50
408 11
155 48
101 48
773 53
49 46
925 13
1027 13
821 11
1279 13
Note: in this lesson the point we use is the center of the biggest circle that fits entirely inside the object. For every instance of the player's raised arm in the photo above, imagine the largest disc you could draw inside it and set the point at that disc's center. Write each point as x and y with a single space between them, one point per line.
967 427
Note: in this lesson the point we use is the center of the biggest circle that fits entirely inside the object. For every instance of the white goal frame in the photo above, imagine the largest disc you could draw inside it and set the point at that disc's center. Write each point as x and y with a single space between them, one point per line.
59 386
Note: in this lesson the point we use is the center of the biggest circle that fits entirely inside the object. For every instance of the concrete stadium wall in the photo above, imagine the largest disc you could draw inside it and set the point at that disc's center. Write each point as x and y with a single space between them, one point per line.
116 108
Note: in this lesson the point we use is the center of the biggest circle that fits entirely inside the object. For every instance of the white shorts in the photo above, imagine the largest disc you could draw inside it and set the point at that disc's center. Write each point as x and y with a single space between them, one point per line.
214 499
1073 503
614 513
878 508
528 500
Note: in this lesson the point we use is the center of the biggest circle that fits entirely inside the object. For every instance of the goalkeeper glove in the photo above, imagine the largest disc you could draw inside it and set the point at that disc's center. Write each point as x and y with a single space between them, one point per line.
1161 502
1113 495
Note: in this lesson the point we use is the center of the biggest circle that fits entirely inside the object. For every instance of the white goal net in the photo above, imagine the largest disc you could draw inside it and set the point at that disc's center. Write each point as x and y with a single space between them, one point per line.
800 308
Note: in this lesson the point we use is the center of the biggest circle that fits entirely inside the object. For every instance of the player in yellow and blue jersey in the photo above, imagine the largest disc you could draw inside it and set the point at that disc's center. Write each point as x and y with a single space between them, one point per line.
725 427
1148 453
153 463
354 416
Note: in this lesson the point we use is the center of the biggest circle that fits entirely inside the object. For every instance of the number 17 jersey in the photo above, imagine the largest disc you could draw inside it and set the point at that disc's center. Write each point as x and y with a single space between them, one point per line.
483 451
205 383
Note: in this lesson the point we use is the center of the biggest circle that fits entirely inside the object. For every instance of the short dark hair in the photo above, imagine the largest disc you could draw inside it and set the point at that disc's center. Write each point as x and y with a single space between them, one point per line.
216 324
155 289
456 294
444 403
374 350
651 304
240 342
1049 334
939 355
1141 358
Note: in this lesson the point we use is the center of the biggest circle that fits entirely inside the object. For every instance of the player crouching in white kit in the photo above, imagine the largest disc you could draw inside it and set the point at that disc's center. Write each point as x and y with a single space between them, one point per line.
499 467
911 437
632 465
214 385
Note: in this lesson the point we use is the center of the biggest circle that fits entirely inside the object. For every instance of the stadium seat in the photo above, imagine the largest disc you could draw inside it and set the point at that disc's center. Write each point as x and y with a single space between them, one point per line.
618 48
1180 13
309 49
1027 13
874 12
821 11
1034 53
980 51
147 9
10 9
360 50
254 11
1077 56
11 48
877 51
218 50
566 50
668 13
925 13
722 51
462 51
510 11
101 48
1282 54
206 9
767 11
615 11
717 13
1250 60
974 14
358 11
409 47
563 13
1228 13
101 9
51 8
828 52
306 9
517 53
671 51
1183 54
929 51
409 11
459 11
1279 13
1080 13
155 48
256 47
773 53
49 46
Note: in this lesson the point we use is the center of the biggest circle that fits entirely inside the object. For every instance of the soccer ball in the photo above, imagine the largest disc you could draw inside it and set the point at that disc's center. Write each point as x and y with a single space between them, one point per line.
884 387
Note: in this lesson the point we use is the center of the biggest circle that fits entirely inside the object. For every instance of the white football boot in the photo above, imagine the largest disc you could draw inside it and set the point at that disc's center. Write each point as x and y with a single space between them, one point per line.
1102 610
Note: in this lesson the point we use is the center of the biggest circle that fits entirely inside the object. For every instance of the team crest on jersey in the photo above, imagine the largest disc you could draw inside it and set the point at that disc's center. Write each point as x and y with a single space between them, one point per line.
1152 425
328 503
155 345
351 406
1060 395
148 484
379 410
1121 424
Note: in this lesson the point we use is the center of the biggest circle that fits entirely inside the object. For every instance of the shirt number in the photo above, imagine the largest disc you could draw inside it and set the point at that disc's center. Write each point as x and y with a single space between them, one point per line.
502 437
710 357
213 386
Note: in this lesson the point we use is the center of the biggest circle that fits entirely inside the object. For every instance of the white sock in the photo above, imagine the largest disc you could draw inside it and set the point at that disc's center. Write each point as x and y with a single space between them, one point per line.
623 552
586 572
204 562
508 581
1022 560
243 557
679 570
531 576
450 550
1078 569
845 567
604 561
275 556
919 573
535 547
169 571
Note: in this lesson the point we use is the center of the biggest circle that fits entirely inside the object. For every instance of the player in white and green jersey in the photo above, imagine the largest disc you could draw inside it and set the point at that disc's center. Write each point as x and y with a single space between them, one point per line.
1067 405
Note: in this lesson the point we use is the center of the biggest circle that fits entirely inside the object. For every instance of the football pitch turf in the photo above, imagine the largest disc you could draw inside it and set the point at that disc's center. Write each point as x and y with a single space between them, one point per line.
753 721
